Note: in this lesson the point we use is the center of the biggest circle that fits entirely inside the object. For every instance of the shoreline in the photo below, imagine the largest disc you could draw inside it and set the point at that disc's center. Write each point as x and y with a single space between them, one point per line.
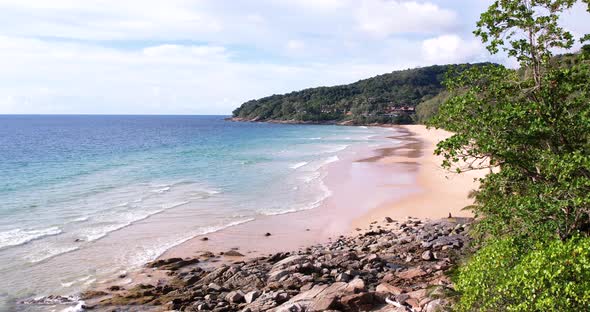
355 173
421 195
428 192
401 266
399 182
379 183
441 191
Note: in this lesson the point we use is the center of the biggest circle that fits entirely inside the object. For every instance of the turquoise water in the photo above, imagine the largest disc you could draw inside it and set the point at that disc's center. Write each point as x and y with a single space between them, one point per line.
87 196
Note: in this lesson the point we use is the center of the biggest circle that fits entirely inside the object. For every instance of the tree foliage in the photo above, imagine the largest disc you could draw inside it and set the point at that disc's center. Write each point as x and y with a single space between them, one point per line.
429 108
510 274
366 101
537 130
531 129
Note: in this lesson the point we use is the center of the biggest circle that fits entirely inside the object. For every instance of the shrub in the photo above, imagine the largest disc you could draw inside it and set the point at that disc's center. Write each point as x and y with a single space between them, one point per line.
511 275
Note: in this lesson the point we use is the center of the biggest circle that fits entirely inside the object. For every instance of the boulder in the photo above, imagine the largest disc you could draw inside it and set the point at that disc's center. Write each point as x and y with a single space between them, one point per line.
251 296
355 286
319 298
427 255
233 253
436 305
235 297
388 289
360 302
411 273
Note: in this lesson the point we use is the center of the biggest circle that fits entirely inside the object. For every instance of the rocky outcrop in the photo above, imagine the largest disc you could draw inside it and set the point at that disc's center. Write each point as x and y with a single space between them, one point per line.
392 267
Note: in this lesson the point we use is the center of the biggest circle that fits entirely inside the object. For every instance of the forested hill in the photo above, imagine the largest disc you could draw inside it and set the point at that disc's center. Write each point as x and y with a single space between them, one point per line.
388 98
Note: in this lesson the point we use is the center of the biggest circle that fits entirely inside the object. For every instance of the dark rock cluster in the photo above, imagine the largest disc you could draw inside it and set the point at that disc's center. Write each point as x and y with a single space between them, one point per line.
397 266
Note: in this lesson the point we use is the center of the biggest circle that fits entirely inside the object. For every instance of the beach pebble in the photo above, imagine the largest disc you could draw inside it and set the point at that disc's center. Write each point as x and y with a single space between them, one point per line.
427 255
251 296
349 273
235 296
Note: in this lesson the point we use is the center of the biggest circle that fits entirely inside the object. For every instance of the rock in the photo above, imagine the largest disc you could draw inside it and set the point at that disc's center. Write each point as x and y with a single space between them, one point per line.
277 275
427 255
343 277
281 297
373 258
89 294
354 273
417 294
389 220
203 307
414 303
214 287
235 297
436 305
172 264
251 296
401 298
388 288
232 253
355 286
52 300
205 238
319 298
360 302
267 234
411 273
114 288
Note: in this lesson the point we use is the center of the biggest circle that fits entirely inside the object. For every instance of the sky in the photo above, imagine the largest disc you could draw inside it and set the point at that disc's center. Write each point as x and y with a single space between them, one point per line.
209 56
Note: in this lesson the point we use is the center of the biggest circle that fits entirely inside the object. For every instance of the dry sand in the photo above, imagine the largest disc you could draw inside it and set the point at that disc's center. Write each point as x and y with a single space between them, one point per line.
368 185
440 191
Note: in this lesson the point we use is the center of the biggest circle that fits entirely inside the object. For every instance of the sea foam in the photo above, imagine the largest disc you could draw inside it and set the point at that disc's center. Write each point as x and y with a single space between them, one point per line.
153 253
298 165
50 253
19 236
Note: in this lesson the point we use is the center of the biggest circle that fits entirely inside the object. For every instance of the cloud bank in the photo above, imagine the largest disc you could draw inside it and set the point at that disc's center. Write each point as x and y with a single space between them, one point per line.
207 57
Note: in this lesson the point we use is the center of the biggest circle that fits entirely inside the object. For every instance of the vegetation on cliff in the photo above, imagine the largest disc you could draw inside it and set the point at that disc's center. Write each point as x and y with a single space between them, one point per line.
388 98
531 128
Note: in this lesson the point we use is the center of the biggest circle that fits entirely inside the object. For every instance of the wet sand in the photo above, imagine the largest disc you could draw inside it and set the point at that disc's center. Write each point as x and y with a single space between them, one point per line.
359 182
440 191
367 185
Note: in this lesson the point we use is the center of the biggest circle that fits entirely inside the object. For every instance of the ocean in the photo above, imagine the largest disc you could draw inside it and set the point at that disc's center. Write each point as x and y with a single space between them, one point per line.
89 197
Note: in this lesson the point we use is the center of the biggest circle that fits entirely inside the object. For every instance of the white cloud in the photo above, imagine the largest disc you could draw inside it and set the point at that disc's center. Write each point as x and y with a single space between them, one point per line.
186 54
57 77
295 47
452 49
107 20
319 5
208 56
383 18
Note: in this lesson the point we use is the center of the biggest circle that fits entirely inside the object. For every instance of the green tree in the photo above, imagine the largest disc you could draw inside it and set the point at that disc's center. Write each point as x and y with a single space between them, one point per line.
531 128
535 128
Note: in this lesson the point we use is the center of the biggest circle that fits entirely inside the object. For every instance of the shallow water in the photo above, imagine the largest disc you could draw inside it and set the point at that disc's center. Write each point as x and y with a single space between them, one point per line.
87 197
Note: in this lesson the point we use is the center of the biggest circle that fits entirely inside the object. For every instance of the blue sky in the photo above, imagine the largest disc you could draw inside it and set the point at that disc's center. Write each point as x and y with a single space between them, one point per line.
209 56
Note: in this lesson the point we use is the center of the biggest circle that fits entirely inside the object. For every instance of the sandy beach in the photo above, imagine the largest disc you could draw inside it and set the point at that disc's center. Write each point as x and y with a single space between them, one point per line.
398 182
358 184
404 182
441 191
